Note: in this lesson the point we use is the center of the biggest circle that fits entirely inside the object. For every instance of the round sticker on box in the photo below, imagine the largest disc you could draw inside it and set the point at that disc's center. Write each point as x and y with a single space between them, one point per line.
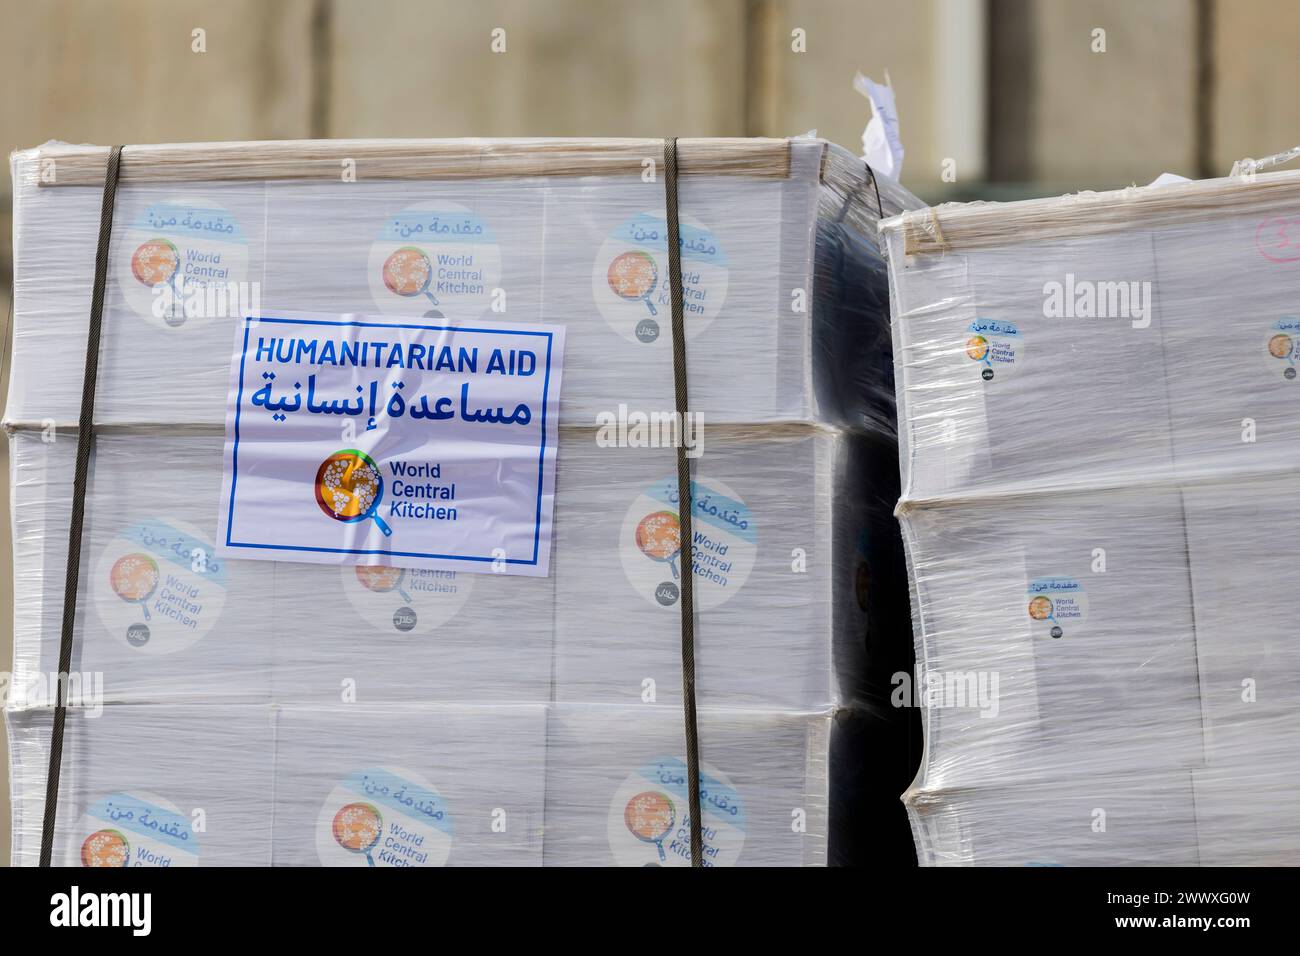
434 259
994 347
134 829
629 280
184 259
1282 348
158 586
650 822
725 545
406 600
1057 606
383 817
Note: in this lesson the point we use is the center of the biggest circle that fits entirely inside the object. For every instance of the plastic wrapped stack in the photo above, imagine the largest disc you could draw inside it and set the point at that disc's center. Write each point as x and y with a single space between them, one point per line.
1100 454
365 715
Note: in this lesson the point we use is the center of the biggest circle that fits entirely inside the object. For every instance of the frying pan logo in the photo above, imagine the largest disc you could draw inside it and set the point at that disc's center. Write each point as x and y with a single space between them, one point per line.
382 580
1042 609
156 263
659 536
134 578
105 848
349 488
357 828
1283 349
385 580
408 272
650 816
632 276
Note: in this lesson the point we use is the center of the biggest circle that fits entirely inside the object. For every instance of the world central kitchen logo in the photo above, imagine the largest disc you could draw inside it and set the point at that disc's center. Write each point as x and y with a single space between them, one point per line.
350 488
1086 299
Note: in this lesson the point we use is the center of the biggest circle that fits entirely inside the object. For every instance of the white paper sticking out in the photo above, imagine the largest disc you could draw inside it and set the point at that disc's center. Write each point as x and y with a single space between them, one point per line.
1168 179
882 146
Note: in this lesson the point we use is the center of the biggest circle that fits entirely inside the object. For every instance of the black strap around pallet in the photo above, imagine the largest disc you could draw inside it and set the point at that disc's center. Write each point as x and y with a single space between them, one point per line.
686 503
85 440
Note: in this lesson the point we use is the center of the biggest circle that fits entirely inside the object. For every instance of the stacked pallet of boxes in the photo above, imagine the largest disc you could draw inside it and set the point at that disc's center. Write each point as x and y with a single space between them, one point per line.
1100 455
368 715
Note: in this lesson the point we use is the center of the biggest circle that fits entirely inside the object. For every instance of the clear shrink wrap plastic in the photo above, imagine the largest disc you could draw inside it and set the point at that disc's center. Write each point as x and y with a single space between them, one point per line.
1100 447
509 713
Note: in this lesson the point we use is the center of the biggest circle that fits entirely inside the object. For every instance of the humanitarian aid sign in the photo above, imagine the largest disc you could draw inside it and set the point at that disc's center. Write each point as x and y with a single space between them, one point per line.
355 439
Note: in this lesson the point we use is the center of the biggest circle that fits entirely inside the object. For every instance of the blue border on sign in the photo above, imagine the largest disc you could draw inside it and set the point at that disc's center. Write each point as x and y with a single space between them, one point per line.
541 453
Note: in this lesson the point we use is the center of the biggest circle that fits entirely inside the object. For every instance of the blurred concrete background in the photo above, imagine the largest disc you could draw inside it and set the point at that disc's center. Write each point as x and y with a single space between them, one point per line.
1024 97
